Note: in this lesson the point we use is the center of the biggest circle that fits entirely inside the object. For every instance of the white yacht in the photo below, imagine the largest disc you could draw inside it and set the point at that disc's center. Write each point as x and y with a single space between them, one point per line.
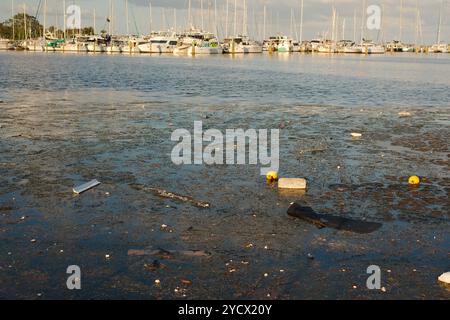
77 44
163 42
285 45
369 47
348 46
195 42
439 48
5 44
278 43
131 45
315 43
241 44
96 44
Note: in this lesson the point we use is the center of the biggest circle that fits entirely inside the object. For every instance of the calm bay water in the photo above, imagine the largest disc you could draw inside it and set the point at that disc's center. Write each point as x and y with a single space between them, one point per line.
66 119
344 80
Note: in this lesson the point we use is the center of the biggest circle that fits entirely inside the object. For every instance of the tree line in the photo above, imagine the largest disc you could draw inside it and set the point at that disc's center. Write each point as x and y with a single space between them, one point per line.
22 27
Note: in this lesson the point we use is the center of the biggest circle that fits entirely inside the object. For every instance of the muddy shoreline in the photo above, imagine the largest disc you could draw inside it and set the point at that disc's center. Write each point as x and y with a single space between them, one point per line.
256 251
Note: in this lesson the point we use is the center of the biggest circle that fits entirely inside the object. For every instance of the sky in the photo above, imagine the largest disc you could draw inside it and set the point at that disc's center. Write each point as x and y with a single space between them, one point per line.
282 16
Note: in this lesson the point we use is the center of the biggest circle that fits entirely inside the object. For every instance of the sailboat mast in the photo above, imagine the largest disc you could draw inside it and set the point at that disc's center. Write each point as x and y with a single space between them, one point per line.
201 13
291 30
65 18
235 17
401 21
354 25
189 15
126 17
113 19
301 23
244 20
440 23
226 19
343 29
13 20
264 24
175 19
362 20
109 18
151 17
215 19
24 22
95 27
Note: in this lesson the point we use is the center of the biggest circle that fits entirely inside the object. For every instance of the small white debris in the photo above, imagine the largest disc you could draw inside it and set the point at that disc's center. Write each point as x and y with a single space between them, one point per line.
86 186
107 193
281 270
266 275
33 240
445 277
107 256
383 289
404 114
158 282
356 135
354 287
266 247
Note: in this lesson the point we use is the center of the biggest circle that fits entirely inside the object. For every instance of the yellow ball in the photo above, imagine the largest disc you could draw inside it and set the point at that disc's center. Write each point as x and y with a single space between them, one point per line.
414 180
272 176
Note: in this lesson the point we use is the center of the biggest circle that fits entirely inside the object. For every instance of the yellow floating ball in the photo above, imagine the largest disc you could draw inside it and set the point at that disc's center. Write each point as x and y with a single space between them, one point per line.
272 176
414 180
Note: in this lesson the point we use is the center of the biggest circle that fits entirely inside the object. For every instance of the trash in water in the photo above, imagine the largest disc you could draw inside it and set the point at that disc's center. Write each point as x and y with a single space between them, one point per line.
330 221
155 265
404 114
414 181
272 176
445 277
292 183
170 195
356 135
86 186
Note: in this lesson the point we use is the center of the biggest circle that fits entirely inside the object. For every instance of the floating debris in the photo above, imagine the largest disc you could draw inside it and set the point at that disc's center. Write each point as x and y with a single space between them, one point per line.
86 186
168 254
170 195
186 282
445 277
155 265
404 114
272 176
330 221
356 135
414 180
292 183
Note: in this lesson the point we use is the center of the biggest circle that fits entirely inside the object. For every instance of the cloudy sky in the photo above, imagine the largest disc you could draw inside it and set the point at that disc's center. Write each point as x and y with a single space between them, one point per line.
317 16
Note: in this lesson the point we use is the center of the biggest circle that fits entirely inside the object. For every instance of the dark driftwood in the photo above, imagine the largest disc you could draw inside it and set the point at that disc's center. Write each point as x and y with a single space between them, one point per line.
330 221
170 195
167 254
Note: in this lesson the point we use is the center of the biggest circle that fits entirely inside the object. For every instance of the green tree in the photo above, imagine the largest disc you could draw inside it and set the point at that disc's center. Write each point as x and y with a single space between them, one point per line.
33 27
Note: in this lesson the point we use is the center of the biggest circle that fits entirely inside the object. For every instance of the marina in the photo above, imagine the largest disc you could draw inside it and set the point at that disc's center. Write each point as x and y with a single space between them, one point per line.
196 38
